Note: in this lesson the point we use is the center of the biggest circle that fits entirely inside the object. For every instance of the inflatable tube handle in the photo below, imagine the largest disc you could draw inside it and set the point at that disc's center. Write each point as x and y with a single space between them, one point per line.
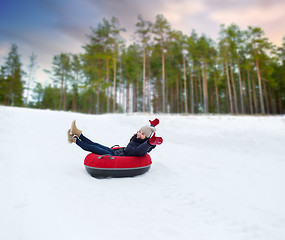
111 157
115 146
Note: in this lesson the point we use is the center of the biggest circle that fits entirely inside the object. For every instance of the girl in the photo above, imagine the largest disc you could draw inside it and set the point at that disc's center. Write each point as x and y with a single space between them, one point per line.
140 144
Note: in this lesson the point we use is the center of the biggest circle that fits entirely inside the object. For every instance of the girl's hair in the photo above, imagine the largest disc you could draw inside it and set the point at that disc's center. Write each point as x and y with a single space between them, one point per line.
135 135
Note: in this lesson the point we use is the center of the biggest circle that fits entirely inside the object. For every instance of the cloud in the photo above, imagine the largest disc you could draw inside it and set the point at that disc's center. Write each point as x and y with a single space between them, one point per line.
269 15
251 15
4 49
177 11
49 27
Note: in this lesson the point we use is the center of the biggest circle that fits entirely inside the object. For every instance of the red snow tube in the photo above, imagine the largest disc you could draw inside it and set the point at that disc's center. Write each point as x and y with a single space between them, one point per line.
103 166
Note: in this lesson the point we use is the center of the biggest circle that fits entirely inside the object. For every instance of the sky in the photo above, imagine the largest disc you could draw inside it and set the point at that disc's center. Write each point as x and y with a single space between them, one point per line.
50 27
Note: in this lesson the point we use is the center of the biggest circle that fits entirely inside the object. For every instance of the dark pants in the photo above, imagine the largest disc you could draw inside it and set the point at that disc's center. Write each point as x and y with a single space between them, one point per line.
90 146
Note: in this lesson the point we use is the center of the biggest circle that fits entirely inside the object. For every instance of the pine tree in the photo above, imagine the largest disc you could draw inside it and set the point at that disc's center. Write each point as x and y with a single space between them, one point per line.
204 49
31 71
38 92
193 59
115 41
11 87
76 68
258 45
161 29
144 28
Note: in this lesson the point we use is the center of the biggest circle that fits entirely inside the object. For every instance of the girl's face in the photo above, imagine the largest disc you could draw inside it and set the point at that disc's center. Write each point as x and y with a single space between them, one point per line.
140 135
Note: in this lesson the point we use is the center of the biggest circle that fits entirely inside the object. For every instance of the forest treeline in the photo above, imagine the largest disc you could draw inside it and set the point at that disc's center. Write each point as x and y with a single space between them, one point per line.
162 70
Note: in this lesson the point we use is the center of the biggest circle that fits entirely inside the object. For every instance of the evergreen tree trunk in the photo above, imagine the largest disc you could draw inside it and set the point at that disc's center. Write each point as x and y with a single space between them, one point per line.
74 99
138 95
135 97
227 102
240 90
115 79
163 82
172 101
254 96
249 93
144 96
205 87
55 100
75 93
196 92
280 103
260 87
6 91
128 99
212 101
28 87
65 96
65 93
200 89
158 102
108 88
229 87
61 94
267 105
177 93
149 87
90 104
234 89
217 92
98 99
185 85
191 92
273 99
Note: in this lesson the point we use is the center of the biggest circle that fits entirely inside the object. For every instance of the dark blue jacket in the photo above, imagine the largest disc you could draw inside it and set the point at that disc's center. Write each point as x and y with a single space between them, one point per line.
136 147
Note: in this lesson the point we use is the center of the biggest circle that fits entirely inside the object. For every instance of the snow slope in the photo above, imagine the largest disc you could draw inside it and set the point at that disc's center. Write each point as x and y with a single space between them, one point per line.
214 177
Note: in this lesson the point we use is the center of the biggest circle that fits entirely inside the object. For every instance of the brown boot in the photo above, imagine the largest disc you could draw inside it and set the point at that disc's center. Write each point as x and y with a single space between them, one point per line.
74 129
70 137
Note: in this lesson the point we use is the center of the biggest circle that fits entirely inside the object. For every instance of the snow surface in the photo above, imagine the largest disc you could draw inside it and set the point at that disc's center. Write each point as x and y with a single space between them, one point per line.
214 177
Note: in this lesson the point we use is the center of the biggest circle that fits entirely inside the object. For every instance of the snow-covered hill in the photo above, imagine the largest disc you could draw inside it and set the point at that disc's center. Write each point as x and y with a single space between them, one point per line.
213 178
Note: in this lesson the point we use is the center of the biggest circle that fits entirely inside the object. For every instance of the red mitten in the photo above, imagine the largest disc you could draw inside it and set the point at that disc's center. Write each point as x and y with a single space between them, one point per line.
154 122
155 140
